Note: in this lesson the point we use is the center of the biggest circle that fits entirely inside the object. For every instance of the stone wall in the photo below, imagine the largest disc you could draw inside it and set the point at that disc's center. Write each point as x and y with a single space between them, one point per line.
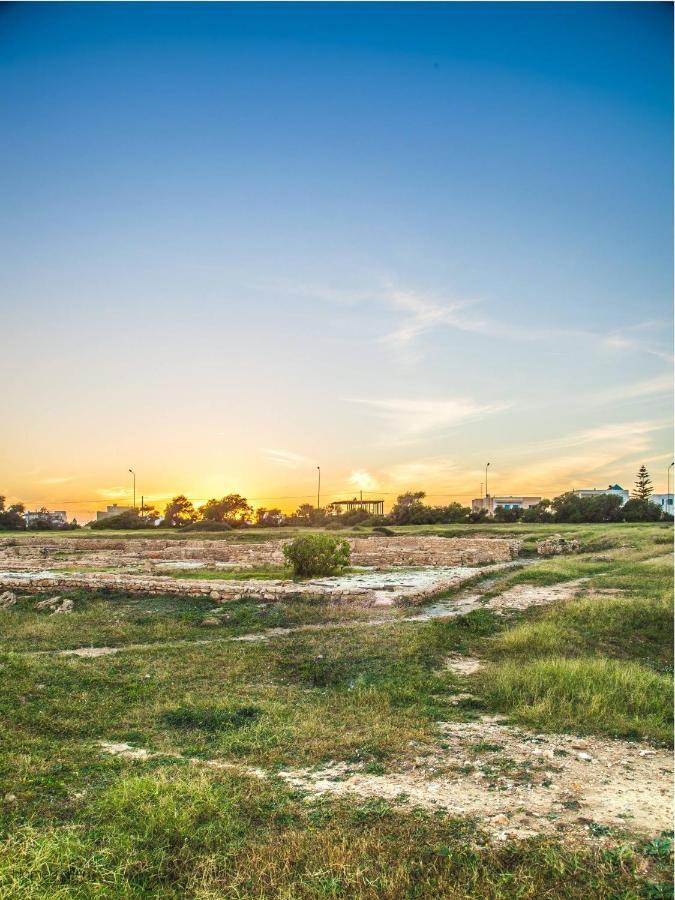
377 551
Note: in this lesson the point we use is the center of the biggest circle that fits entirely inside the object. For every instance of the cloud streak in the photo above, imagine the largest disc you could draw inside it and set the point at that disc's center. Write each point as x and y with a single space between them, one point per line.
418 418
287 459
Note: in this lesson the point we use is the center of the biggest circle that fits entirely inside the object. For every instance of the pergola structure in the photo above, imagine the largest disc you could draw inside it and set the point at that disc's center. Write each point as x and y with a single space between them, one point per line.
373 507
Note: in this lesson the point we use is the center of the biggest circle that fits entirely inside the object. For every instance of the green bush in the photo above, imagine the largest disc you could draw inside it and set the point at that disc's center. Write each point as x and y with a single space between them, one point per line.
207 525
317 554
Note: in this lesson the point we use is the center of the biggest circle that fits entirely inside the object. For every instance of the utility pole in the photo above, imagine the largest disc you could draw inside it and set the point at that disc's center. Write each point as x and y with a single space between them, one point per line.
487 493
318 489
134 476
142 505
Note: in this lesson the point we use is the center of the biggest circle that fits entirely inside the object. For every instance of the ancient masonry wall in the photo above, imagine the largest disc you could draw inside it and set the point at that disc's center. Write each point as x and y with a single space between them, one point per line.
40 559
380 552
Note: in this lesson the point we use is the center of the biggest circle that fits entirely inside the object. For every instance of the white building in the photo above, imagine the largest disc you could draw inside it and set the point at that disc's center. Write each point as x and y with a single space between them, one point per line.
665 501
614 490
54 517
493 503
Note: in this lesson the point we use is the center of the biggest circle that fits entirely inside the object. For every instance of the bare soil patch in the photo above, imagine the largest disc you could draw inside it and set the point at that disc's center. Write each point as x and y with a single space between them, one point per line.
518 783
522 596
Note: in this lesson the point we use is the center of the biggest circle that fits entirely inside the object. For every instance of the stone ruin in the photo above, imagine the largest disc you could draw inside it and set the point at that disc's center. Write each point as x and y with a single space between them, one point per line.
35 564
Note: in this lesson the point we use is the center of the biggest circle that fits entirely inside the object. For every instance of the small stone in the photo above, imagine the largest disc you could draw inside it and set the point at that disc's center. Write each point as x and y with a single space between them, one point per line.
210 621
501 819
10 798
586 757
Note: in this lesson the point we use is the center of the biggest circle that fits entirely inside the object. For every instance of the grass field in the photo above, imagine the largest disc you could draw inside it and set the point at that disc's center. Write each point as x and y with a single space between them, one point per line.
79 823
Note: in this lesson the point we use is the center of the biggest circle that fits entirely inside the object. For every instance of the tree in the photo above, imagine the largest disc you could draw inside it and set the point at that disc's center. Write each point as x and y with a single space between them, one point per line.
148 513
538 513
179 511
269 517
643 484
508 515
11 519
641 511
601 508
128 519
232 508
408 508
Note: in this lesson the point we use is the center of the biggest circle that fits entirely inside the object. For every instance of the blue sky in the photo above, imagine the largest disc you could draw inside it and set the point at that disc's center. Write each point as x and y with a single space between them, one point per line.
394 239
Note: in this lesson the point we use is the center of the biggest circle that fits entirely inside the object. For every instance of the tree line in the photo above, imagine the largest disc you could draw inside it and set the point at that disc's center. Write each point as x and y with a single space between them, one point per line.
234 511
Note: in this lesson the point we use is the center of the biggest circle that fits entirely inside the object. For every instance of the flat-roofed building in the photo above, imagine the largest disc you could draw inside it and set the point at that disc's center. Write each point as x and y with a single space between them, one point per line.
665 501
614 490
491 504
52 517
113 510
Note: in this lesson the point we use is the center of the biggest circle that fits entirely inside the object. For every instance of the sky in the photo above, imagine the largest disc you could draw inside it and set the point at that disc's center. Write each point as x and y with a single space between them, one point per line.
397 241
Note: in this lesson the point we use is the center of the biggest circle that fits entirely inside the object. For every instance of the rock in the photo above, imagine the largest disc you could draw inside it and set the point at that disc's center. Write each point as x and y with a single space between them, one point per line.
66 606
50 603
501 819
10 798
210 621
7 599
586 757
554 546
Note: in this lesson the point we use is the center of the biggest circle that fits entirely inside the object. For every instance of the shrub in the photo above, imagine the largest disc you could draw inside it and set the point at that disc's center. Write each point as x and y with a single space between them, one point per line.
317 554
128 519
207 525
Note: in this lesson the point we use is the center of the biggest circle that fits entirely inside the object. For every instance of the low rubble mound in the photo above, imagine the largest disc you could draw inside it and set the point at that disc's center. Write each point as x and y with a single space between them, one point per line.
56 605
49 603
7 599
557 546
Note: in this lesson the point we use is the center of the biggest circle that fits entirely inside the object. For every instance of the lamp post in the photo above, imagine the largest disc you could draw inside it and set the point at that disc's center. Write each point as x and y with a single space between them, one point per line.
318 489
134 477
668 494
487 493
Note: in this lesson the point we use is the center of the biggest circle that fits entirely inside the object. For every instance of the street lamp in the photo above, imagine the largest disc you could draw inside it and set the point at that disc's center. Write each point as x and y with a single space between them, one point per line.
318 489
134 476
487 493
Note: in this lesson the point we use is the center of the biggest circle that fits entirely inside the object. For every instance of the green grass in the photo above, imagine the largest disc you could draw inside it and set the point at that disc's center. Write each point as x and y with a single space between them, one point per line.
87 825
175 834
587 696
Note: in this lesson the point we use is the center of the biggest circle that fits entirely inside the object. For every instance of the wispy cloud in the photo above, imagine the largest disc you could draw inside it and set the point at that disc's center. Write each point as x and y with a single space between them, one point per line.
422 315
414 419
113 493
56 479
651 387
287 459
626 437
